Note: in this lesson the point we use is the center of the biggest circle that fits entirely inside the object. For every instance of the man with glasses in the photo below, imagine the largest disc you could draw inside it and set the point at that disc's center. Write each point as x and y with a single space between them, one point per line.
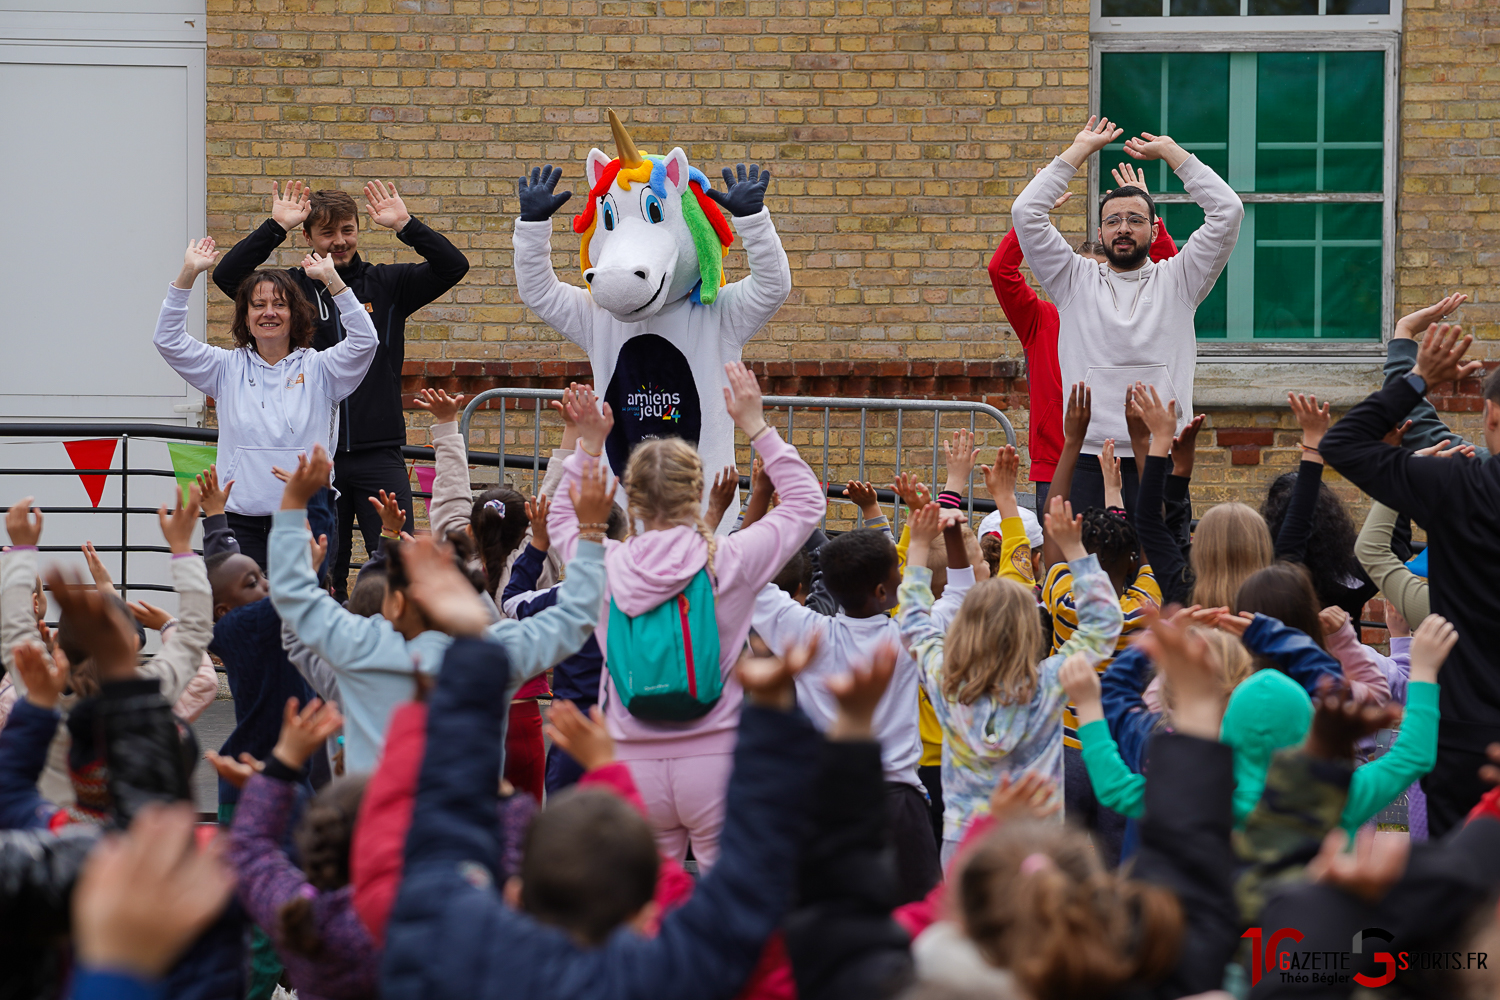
1126 319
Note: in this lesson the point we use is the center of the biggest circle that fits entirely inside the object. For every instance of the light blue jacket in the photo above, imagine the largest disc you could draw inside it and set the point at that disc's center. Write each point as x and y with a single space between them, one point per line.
374 662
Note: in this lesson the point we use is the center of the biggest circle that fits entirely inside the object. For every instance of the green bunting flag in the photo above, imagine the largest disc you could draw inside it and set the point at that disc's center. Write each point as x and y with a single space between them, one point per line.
190 459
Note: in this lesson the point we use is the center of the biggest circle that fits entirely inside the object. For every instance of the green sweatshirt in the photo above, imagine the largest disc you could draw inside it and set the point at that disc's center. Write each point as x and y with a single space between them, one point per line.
1373 786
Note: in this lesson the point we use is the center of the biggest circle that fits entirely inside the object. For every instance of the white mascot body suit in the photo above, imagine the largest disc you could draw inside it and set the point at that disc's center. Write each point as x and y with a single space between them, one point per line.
657 320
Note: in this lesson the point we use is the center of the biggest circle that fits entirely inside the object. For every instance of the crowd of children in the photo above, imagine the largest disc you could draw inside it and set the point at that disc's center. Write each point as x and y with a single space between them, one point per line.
1063 754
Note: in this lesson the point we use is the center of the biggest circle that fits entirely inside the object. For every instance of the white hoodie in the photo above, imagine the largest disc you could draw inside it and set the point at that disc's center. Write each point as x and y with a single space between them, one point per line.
1119 328
268 414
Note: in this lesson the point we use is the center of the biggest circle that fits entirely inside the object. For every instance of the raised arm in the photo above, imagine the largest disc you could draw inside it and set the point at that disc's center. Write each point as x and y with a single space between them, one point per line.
1296 524
1402 587
1116 785
1053 262
1293 651
443 264
452 498
1017 299
1094 598
18 616
344 364
289 209
566 308
198 363
1076 418
1166 557
748 304
177 663
1203 258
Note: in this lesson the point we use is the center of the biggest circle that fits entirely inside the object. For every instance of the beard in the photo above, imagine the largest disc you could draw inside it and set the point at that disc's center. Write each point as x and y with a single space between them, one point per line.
1129 259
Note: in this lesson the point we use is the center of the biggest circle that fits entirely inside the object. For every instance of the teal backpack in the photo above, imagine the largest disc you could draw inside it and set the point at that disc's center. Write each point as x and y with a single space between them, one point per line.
665 662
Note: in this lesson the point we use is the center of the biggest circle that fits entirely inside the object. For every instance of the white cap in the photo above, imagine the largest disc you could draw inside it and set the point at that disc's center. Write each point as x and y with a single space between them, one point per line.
991 525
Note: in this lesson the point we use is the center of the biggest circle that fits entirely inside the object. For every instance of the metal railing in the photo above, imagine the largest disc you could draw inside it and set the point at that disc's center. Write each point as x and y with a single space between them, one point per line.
819 437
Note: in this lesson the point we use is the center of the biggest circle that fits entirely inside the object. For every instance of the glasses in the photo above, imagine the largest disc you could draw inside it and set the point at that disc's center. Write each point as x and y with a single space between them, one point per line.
1134 221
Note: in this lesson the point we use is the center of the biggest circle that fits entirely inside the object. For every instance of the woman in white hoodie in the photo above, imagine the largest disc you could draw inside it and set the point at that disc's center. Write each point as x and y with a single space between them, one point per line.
276 397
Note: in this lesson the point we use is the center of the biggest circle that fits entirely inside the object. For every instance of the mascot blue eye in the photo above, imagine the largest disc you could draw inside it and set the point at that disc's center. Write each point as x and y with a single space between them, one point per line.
653 209
609 216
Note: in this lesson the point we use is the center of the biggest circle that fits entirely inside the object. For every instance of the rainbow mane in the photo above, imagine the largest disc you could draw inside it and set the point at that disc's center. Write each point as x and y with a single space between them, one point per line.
705 223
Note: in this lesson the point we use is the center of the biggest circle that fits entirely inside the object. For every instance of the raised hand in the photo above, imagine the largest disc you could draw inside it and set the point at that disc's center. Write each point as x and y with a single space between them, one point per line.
538 200
385 206
1109 467
593 495
725 490
864 497
149 615
1126 175
23 522
177 527
1410 326
1369 871
1442 450
1235 624
1185 447
322 268
103 632
1430 646
392 517
1079 412
1098 133
305 732
537 510
101 576
742 399
1000 480
858 692
1081 681
912 491
1339 721
1160 420
210 496
443 407
769 680
200 256
925 525
290 208
1156 147
146 894
1029 796
745 193
1332 618
1065 530
310 476
236 772
45 674
592 417
440 591
582 737
1312 419
1188 664
317 549
1440 358
961 455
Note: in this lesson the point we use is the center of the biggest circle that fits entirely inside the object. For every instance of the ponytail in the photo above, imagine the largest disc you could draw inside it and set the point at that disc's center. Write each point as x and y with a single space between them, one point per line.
323 840
498 522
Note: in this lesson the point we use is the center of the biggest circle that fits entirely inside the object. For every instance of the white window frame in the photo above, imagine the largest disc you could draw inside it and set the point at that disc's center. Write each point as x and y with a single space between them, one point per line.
1388 42
1099 24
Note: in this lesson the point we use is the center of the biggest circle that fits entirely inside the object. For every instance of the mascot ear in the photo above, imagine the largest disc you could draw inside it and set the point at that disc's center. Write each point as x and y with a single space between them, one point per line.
676 164
594 168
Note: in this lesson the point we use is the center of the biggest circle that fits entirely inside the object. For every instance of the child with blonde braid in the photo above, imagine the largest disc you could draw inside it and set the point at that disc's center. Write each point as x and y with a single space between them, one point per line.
681 757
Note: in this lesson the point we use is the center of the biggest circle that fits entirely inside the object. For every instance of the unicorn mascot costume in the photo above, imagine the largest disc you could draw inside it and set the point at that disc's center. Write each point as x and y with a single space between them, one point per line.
657 320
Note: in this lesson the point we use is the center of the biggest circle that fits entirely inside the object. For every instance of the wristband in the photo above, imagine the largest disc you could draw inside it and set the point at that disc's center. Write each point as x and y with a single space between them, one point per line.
280 770
592 526
763 428
183 555
169 623
1308 447
591 536
396 537
590 454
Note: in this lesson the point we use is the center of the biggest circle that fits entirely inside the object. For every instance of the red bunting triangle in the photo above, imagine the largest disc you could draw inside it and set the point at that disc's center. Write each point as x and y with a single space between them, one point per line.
99 454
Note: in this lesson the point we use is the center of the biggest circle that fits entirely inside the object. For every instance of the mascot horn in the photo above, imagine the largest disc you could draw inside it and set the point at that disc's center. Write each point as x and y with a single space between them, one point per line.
658 320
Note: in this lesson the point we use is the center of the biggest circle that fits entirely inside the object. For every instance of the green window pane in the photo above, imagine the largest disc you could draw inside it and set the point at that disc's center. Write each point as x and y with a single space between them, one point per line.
1286 99
1184 95
1271 8
1198 97
1354 97
1130 8
1283 291
1286 169
1352 170
1286 222
1182 221
1352 222
1205 8
1351 292
1358 7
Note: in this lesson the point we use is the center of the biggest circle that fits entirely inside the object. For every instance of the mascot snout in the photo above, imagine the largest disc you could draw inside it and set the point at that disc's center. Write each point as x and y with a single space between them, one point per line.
632 279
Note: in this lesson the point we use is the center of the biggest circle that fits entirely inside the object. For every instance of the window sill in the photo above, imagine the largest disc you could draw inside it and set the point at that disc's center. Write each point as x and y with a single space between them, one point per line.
1341 374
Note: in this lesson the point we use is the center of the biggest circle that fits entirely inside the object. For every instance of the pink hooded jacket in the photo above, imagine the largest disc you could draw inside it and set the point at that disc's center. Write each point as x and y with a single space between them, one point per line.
648 569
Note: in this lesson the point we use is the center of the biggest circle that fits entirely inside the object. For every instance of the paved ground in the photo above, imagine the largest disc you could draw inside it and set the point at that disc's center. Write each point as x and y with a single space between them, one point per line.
213 728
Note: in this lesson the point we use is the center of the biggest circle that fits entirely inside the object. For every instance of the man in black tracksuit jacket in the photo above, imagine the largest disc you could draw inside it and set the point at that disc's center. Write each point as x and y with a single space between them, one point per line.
372 428
1458 501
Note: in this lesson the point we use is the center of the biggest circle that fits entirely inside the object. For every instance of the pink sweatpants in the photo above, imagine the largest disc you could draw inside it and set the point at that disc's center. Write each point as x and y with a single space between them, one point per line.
684 799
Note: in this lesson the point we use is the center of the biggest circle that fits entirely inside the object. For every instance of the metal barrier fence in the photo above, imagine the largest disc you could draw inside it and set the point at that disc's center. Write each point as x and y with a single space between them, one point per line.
894 441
